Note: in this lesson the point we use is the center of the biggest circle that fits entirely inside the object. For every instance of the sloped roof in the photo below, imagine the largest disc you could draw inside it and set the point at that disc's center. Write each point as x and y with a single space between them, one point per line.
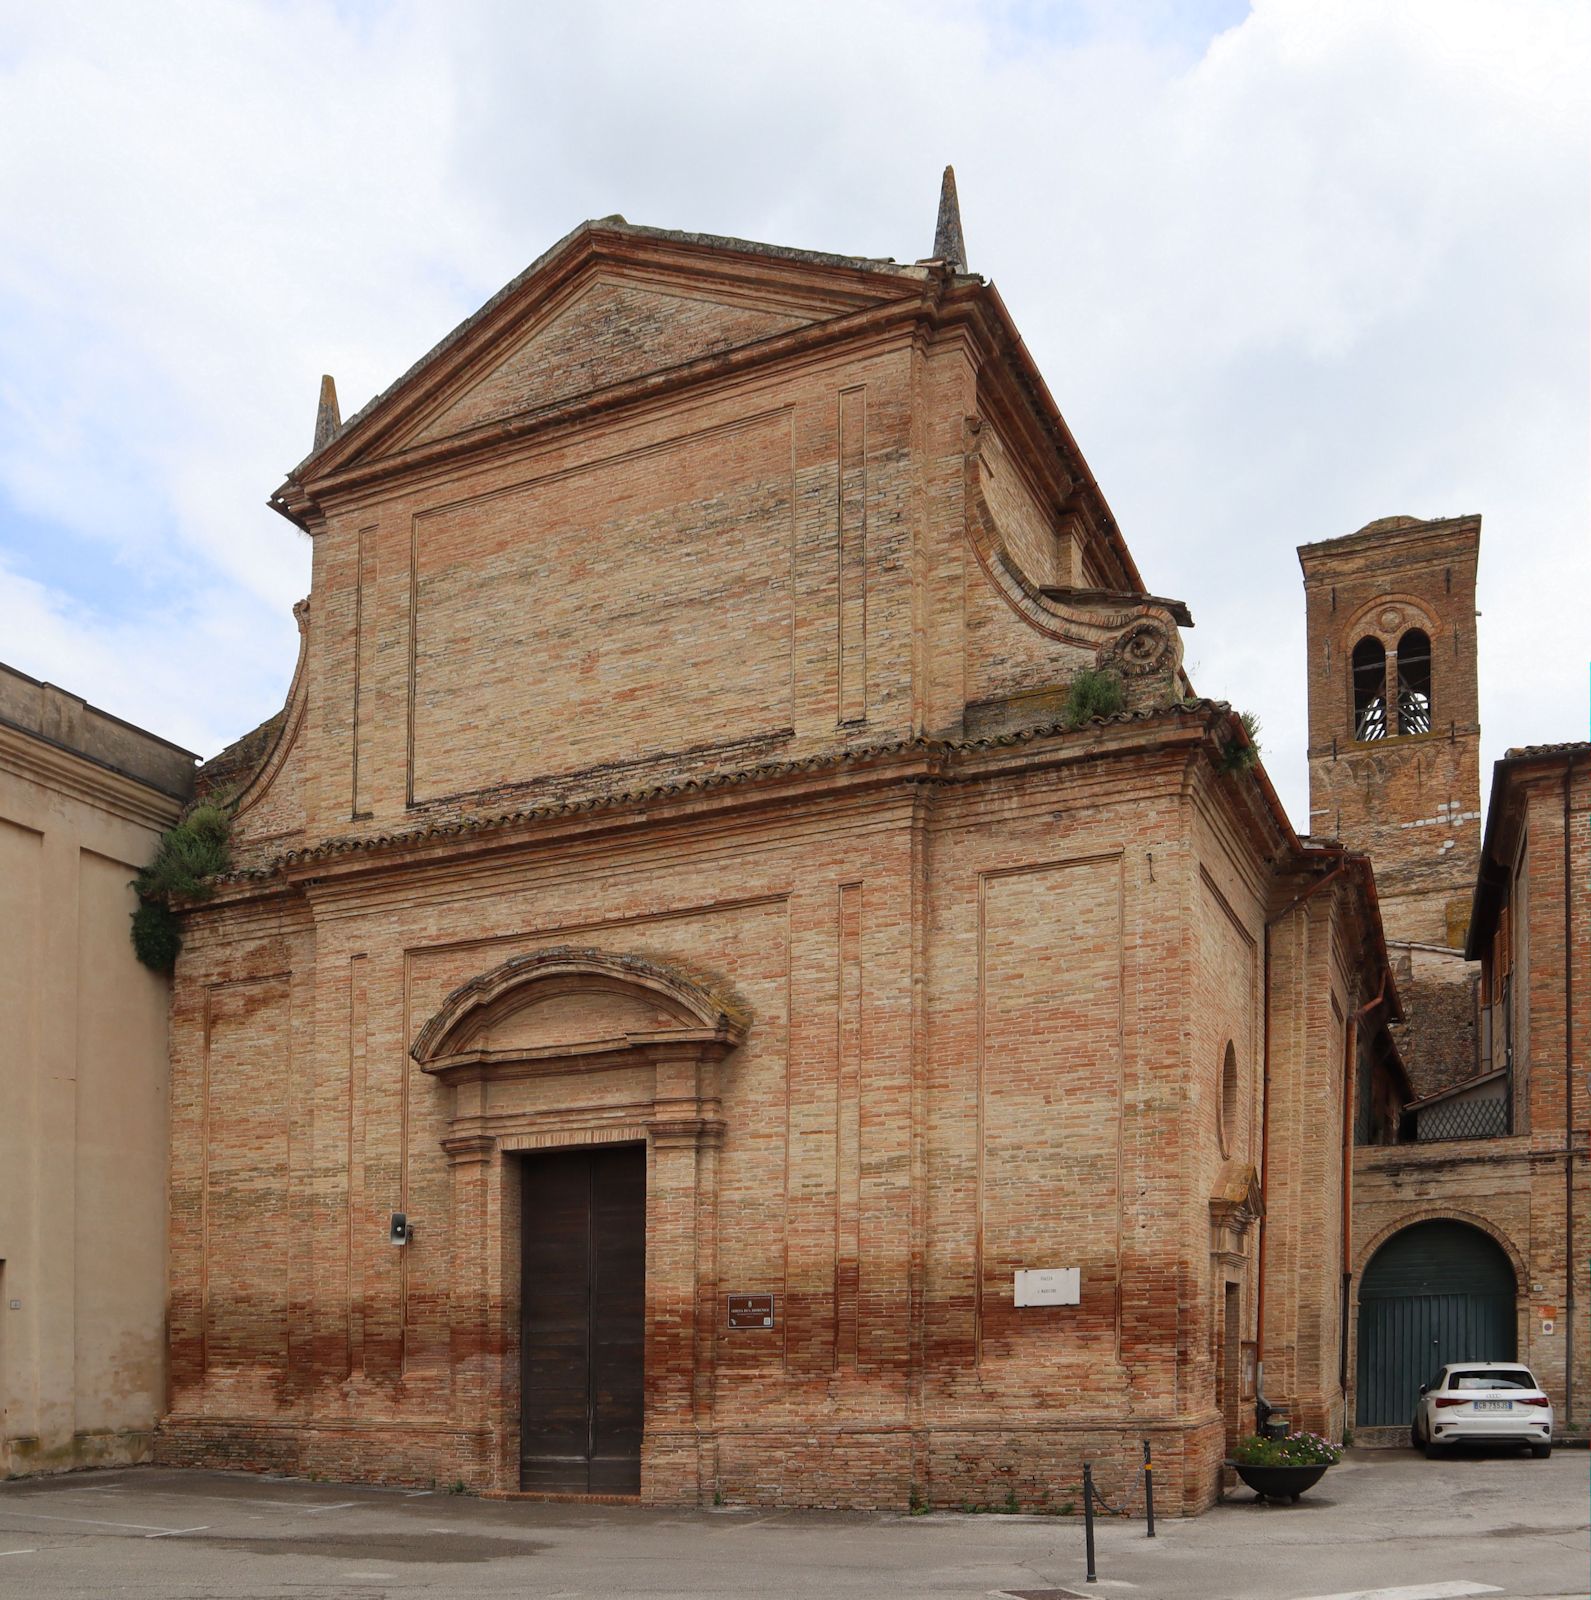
231 770
611 225
1461 1087
1541 752
1491 882
873 282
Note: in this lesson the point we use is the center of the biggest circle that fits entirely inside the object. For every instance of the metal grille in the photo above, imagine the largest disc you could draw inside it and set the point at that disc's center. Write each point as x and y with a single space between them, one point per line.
1363 1112
1463 1119
1414 712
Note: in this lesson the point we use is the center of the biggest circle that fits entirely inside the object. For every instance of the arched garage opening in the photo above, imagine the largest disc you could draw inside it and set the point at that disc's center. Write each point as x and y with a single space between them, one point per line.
1437 1291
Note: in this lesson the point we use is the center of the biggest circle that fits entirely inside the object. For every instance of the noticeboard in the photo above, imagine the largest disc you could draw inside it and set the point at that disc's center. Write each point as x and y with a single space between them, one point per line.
750 1313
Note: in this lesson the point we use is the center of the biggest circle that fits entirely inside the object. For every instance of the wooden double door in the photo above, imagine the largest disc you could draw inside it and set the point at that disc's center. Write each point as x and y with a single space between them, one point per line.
583 1320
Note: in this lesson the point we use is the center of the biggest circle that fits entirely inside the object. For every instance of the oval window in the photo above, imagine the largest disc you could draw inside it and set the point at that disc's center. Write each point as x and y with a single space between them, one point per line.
1227 1115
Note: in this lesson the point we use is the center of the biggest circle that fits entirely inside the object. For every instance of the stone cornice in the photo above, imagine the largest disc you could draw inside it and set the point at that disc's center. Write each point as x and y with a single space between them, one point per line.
44 762
898 765
306 500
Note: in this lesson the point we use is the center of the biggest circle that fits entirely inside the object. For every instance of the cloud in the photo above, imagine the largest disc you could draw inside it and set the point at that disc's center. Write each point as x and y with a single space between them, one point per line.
1286 270
173 668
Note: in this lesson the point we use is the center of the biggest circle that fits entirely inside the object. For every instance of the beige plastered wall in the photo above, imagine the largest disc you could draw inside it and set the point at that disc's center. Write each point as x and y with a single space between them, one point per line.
83 1135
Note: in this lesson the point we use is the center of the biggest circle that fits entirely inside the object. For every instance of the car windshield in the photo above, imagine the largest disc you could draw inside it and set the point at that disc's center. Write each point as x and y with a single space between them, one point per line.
1518 1378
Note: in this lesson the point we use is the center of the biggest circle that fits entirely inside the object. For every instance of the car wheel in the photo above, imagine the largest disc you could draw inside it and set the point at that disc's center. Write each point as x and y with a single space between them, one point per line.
1433 1452
1415 1441
1541 1451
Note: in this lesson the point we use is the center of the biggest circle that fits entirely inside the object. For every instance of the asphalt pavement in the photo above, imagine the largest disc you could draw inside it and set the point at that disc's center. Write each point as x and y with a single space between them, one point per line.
1386 1524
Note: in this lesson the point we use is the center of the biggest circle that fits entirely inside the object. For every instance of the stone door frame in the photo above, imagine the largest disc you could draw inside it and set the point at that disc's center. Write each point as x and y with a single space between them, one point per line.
681 1125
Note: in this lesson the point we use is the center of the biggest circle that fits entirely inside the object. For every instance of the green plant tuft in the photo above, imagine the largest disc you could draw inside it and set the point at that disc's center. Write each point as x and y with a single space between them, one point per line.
1242 755
157 935
189 855
1094 692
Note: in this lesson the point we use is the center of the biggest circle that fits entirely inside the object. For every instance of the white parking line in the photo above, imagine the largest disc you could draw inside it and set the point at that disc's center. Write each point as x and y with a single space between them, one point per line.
171 1533
92 1522
740 1527
1452 1589
32 1552
244 1502
340 1505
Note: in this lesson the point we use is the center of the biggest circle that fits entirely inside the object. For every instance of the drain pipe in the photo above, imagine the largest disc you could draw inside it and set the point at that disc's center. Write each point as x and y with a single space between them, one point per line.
1350 1074
1262 1406
1568 1097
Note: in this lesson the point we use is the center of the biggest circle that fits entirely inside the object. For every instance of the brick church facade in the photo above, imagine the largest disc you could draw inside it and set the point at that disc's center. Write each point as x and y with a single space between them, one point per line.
678 886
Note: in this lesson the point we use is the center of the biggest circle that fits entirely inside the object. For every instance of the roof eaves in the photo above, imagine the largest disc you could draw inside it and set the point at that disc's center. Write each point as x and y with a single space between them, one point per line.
356 844
1031 375
1545 752
1492 876
755 247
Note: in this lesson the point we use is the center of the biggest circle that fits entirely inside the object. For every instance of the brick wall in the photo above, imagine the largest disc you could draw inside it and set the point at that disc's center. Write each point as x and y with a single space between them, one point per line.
686 683
1411 802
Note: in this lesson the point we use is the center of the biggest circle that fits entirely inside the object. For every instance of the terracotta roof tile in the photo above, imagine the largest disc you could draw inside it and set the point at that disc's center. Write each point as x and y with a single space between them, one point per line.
353 844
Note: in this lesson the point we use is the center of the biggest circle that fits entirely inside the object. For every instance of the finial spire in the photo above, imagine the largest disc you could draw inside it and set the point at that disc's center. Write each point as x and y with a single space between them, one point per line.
949 246
328 419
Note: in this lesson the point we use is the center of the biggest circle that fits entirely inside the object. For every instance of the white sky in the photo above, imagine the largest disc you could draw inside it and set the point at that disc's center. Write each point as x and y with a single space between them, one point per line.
1286 269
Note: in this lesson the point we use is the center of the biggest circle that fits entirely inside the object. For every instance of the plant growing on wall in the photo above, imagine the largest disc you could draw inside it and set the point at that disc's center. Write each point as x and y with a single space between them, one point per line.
1244 755
189 855
1094 692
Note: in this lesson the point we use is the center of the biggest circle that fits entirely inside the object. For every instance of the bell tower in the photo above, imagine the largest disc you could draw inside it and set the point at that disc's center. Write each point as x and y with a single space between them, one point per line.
1394 717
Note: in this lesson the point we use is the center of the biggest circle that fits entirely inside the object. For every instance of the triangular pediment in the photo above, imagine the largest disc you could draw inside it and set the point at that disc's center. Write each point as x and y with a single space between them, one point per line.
609 329
604 310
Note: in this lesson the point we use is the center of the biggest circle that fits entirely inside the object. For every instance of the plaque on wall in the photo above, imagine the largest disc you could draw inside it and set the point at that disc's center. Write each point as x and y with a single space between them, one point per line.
1048 1286
750 1312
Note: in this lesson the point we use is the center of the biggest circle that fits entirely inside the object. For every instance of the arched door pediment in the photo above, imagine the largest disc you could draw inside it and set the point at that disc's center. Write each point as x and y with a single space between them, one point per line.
562 1049
567 1005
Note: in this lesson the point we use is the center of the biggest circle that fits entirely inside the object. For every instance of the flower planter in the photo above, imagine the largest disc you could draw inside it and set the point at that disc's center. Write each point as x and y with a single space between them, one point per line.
1280 1483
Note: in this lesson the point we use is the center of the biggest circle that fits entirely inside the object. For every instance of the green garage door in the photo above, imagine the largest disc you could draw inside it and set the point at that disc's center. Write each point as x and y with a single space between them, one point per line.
1439 1291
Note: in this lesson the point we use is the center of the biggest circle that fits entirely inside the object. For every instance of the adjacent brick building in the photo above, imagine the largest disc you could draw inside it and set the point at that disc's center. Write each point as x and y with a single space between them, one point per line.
676 887
1467 1183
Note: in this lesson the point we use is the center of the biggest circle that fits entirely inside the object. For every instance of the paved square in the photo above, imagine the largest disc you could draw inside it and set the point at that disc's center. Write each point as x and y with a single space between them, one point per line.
1385 1523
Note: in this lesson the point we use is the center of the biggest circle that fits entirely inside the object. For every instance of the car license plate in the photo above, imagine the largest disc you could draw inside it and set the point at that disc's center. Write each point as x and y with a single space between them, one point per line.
1494 1405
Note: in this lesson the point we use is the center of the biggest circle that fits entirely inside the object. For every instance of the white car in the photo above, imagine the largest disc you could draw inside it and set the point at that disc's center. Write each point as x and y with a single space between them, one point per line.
1482 1402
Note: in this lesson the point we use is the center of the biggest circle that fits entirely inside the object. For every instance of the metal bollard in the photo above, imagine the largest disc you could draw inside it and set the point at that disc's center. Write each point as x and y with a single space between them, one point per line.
1088 1519
1149 1490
